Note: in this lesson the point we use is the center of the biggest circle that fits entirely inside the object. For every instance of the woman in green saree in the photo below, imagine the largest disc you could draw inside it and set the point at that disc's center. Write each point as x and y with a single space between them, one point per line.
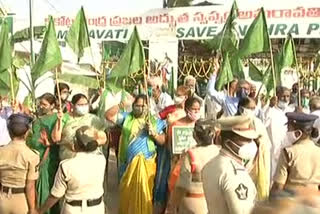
49 152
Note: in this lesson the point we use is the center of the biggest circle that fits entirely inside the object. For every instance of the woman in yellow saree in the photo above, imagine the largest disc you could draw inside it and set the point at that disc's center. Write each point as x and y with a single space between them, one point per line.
137 158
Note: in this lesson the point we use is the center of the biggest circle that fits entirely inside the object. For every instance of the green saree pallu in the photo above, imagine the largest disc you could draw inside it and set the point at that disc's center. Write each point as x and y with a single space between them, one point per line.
49 159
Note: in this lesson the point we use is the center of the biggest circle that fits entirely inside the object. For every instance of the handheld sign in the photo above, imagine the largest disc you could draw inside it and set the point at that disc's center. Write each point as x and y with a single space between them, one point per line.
182 139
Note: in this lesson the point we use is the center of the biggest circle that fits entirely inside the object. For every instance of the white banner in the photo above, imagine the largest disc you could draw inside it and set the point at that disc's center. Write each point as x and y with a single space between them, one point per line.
163 56
300 18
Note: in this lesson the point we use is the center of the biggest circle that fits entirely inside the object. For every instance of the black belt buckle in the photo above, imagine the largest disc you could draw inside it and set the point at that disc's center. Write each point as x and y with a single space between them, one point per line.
13 190
90 203
94 202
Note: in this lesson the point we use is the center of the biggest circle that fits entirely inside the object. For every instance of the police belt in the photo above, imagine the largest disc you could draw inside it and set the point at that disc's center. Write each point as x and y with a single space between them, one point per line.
12 189
90 203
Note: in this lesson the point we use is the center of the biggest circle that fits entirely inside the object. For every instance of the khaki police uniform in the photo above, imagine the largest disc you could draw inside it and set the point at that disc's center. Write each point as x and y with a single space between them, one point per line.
299 165
227 186
80 181
191 179
18 163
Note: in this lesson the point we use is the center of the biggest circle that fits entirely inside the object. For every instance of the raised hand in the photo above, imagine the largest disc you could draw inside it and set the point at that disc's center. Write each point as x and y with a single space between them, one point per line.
44 138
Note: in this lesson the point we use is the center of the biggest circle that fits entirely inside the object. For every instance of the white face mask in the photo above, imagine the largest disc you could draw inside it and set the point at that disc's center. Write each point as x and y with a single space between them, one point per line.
291 136
179 99
82 110
246 152
283 105
64 96
248 112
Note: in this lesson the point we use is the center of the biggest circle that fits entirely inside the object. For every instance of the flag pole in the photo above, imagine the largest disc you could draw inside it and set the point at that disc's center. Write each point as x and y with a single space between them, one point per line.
260 88
146 87
94 66
272 68
58 89
11 85
32 58
298 74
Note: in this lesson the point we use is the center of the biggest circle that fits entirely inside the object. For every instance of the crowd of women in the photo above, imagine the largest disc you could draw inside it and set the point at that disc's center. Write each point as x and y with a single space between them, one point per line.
244 151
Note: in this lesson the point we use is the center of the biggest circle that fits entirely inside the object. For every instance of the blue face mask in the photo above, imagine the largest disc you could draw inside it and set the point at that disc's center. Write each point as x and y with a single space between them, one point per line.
242 93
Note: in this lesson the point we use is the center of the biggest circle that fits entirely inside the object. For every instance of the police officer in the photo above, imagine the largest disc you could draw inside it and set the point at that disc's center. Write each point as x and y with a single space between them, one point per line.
188 194
299 164
227 186
18 169
80 179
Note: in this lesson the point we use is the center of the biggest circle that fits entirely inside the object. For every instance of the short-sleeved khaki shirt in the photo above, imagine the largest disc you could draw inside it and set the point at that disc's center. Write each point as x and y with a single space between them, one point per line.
299 165
227 186
81 177
18 163
202 156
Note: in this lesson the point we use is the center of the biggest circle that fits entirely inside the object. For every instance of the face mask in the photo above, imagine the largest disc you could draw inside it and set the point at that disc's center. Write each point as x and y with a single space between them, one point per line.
150 92
64 96
194 116
192 90
178 99
246 152
44 111
283 105
137 111
5 104
305 102
82 110
119 118
291 136
248 112
241 93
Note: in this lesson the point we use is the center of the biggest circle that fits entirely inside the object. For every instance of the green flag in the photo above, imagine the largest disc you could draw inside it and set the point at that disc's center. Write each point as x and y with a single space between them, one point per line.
288 53
227 39
254 72
225 75
131 60
5 48
83 80
78 35
111 49
50 55
6 62
256 39
265 77
237 67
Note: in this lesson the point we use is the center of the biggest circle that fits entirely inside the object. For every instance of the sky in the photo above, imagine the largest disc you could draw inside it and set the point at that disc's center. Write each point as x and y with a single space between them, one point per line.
20 7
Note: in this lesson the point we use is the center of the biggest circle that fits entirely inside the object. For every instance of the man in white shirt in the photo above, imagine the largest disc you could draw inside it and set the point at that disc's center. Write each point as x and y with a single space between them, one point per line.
158 100
275 122
5 112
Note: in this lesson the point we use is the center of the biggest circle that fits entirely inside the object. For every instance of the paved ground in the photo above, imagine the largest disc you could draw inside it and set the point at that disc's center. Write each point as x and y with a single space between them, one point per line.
112 193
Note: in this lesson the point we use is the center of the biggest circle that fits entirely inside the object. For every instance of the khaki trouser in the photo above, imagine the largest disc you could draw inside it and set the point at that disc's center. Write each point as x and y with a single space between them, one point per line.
13 203
68 209
193 206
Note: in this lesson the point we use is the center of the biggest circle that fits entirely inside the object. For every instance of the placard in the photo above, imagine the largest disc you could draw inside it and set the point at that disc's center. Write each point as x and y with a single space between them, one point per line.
182 139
